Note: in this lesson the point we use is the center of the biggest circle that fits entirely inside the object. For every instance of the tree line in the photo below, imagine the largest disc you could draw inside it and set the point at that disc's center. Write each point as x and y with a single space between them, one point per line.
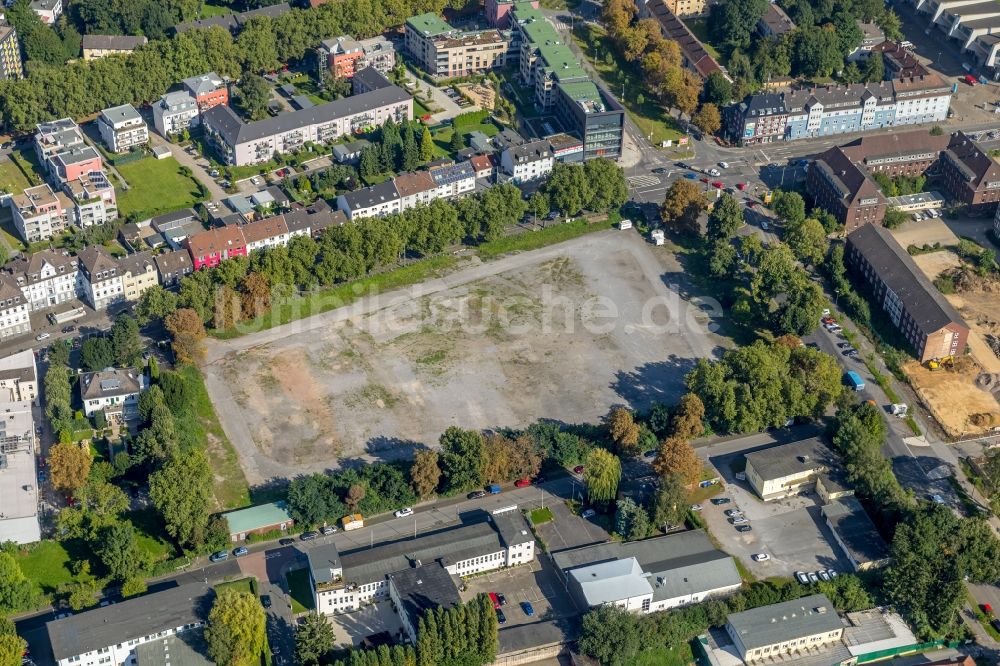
54 90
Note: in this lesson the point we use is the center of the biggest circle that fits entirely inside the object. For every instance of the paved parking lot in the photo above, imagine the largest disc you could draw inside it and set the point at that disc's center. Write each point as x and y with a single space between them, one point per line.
537 584
568 530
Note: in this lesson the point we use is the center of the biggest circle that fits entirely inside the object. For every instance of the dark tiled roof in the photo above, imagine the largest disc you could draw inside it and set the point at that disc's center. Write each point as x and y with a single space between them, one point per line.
136 264
95 259
424 588
856 530
112 42
173 263
372 196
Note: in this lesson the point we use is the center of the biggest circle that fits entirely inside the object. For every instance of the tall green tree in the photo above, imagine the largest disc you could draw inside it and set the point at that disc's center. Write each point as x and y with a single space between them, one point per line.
426 145
610 635
12 646
15 588
463 453
126 345
119 551
235 633
725 219
182 493
602 472
313 640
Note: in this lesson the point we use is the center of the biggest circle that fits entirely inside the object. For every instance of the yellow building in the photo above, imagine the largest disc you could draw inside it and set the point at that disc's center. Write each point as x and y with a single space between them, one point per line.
445 52
138 273
688 8
10 54
789 469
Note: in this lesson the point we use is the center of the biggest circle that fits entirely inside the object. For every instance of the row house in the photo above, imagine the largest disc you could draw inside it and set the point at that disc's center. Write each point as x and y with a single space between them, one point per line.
172 266
243 143
138 274
408 190
101 279
266 233
122 128
14 309
208 90
376 200
39 213
175 112
210 248
102 46
46 278
453 180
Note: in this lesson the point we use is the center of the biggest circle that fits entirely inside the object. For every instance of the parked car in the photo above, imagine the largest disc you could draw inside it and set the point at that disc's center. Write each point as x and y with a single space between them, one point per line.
327 529
744 528
286 542
522 483
496 600
240 552
764 225
68 329
527 608
501 618
690 176
649 455
738 520
937 499
219 556
501 598
823 575
265 600
714 172
995 624
696 507
308 536
718 501
845 345
731 513
832 573
741 186
42 336
578 469
851 351
404 512
717 184
760 557
588 513
802 577
214 173
813 578
476 494
659 170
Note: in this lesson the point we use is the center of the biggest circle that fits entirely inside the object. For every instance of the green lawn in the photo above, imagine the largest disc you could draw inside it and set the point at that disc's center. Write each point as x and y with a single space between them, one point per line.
542 515
419 110
230 486
699 27
47 566
532 240
12 179
300 307
442 138
300 590
679 656
699 495
209 10
247 584
150 533
155 187
651 118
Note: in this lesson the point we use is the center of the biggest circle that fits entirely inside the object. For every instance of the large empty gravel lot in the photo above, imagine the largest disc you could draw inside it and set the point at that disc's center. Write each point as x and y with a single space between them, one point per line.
561 333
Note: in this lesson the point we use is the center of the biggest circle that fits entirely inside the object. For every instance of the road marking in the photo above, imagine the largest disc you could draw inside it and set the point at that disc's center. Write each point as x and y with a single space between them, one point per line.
643 181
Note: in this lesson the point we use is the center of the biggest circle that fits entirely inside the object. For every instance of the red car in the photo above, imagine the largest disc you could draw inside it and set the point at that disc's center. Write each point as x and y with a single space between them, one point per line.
987 609
578 469
970 79
717 184
522 483
828 320
704 180
495 600
741 186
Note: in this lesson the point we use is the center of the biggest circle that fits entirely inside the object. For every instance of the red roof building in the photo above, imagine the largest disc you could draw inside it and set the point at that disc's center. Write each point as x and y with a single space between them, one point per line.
210 248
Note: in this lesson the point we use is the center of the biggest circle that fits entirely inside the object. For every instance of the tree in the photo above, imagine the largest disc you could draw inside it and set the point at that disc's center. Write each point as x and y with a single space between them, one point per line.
602 472
155 304
631 520
463 453
182 493
733 24
256 296
313 640
539 204
683 203
253 95
12 646
425 474
717 89
670 504
119 552
426 145
808 241
688 420
69 465
457 141
608 188
96 354
15 588
369 164
355 494
725 219
125 342
676 457
624 431
874 70
508 459
235 632
708 119
569 189
228 307
789 206
894 217
610 635
188 331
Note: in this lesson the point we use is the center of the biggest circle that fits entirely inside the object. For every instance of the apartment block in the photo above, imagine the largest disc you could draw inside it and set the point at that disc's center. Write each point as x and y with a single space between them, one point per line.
46 278
443 51
208 90
48 10
249 143
527 162
94 199
138 274
11 65
122 128
498 12
925 318
408 190
341 55
39 213
175 112
14 311
102 46
63 153
380 54
100 277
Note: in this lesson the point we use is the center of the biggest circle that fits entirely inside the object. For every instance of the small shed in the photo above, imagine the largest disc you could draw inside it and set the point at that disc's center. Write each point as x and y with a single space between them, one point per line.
259 519
161 152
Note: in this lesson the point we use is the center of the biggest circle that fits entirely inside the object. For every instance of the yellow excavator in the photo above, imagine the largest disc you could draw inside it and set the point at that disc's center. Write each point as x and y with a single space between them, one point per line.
941 362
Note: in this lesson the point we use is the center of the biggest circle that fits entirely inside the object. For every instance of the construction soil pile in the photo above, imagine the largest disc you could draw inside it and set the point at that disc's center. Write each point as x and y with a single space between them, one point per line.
956 396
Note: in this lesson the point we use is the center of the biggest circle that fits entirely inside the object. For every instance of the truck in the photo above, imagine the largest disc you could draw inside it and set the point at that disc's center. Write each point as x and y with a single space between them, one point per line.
493 488
854 380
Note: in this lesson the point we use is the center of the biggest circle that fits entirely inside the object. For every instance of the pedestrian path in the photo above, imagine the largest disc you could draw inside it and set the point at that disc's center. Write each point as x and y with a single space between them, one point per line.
644 180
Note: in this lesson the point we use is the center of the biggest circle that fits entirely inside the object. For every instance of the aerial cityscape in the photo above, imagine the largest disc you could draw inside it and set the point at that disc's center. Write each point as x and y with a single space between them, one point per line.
461 333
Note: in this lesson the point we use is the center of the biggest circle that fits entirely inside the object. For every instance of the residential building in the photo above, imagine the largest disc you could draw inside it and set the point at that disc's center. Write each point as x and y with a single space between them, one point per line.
47 278
260 519
452 180
827 110
792 627
101 46
189 649
485 166
249 143
14 309
871 36
374 201
649 575
420 589
111 635
856 534
498 12
48 10
443 51
18 392
233 22
208 90
138 272
176 227
925 318
122 128
172 266
900 63
527 162
380 54
689 8
175 112
964 21
970 175
210 248
114 391
63 153
591 113
39 213
368 80
789 469
11 65
345 582
774 22
694 56
341 55
313 220
100 279
266 233
94 199
350 152
414 189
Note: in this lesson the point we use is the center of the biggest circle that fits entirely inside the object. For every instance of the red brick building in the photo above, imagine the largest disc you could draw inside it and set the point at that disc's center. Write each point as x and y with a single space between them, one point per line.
208 90
342 55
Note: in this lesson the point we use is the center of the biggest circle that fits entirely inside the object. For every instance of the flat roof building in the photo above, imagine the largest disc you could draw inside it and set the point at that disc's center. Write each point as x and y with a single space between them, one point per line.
18 480
856 534
420 589
791 627
788 469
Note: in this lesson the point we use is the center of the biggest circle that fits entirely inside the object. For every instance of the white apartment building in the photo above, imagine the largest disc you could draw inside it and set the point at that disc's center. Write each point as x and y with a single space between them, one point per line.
408 190
343 583
18 378
39 213
175 112
122 128
100 279
94 199
527 162
375 201
268 232
14 310
47 278
453 180
109 636
48 10
113 391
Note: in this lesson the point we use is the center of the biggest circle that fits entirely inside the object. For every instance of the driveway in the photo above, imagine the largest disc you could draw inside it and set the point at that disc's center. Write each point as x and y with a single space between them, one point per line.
568 530
449 109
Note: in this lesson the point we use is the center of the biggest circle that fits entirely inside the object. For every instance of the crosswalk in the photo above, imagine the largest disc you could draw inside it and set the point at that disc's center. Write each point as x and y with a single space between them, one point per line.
645 180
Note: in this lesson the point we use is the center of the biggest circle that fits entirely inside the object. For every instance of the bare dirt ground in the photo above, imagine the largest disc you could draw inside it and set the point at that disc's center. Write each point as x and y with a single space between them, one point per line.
925 232
935 263
960 406
561 333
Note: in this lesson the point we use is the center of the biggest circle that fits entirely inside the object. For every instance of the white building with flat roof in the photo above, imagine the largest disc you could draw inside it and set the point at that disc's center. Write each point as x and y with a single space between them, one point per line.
122 128
18 486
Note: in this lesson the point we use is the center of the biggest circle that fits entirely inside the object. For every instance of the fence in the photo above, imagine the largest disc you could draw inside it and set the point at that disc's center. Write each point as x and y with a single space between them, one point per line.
905 649
133 156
